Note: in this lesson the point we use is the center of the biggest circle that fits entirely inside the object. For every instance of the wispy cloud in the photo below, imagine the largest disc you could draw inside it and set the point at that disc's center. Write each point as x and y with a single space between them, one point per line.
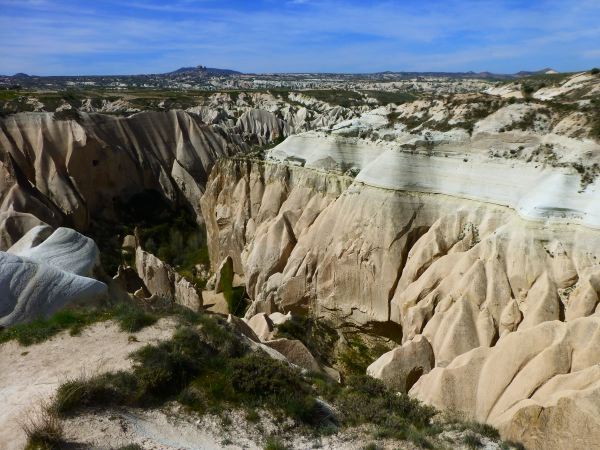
110 36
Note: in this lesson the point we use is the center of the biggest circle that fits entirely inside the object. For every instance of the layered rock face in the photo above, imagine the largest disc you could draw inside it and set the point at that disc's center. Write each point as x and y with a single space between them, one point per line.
457 274
465 245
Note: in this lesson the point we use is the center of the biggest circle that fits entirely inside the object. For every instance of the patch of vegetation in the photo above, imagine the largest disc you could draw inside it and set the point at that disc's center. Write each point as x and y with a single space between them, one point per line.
527 89
472 440
273 443
172 234
335 97
366 400
130 317
482 429
595 71
357 355
237 300
387 97
525 123
207 368
67 114
319 336
594 118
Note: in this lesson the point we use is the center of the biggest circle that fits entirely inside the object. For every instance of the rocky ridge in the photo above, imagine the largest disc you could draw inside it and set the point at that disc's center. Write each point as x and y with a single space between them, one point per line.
473 240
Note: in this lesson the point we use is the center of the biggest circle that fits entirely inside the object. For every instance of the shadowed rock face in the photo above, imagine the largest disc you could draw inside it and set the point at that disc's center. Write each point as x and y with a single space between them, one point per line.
74 170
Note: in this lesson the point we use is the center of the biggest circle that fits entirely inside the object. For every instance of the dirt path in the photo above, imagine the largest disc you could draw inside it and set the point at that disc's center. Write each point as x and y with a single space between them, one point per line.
30 375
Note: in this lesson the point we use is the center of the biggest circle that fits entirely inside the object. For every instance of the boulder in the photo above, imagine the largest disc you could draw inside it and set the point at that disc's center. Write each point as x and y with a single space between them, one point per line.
279 319
296 353
67 250
262 325
161 280
128 280
242 327
215 302
401 367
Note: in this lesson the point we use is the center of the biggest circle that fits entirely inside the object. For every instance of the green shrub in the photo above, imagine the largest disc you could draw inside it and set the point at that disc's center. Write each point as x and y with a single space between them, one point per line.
472 441
357 355
319 336
67 114
482 429
595 71
42 329
273 443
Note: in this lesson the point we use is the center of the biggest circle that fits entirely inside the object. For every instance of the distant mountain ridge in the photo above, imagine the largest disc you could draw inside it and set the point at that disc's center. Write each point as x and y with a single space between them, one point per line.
202 77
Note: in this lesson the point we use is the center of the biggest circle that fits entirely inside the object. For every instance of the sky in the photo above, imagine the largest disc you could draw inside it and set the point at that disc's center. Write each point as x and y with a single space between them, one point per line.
79 37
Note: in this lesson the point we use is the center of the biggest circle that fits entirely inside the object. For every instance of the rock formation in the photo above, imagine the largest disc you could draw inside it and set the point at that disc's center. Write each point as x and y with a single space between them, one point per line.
163 281
462 239
539 386
39 278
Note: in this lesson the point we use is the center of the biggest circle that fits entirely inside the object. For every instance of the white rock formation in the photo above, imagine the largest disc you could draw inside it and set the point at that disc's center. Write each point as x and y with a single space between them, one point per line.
36 281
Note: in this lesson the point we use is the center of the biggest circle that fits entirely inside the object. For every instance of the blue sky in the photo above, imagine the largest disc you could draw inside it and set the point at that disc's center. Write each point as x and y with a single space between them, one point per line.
56 37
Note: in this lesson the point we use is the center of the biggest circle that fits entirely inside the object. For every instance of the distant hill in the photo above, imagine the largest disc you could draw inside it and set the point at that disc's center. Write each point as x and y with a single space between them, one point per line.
546 71
202 70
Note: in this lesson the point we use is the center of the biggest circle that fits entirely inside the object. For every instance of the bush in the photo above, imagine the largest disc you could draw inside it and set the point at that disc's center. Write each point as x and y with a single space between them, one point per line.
482 429
317 335
595 71
273 443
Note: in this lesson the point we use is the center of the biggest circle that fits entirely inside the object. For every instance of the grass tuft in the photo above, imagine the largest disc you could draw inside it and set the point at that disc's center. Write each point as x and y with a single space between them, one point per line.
44 430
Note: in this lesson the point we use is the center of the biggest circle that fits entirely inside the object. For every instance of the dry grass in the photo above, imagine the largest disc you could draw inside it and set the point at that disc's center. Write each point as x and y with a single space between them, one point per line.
43 429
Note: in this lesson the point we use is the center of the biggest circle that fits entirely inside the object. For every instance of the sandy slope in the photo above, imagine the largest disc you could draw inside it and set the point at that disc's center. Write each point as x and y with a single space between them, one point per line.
31 374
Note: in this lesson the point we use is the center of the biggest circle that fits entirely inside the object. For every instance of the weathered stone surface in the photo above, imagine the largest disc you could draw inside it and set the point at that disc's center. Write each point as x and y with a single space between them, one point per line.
67 250
296 353
32 238
261 325
242 327
539 385
224 275
215 302
40 280
162 280
401 367
129 243
128 280
279 319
